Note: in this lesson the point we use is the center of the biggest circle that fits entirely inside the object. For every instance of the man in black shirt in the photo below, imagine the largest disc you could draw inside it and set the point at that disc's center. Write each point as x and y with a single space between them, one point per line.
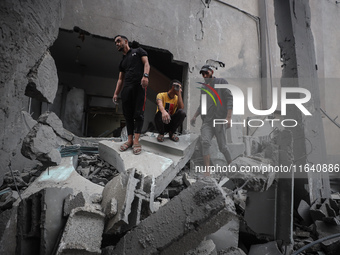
214 111
133 78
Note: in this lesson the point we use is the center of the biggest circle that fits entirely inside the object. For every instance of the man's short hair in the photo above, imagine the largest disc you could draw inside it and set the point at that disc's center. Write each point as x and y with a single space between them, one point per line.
121 36
174 81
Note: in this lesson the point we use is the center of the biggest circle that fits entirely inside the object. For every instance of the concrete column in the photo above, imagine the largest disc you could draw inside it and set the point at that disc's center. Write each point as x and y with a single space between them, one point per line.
296 41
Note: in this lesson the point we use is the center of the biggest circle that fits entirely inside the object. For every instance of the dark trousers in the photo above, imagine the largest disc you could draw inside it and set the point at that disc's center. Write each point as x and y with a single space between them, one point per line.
176 120
133 102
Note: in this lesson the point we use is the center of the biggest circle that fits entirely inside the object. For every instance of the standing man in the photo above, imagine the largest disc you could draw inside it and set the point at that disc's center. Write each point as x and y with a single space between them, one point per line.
214 111
170 113
133 78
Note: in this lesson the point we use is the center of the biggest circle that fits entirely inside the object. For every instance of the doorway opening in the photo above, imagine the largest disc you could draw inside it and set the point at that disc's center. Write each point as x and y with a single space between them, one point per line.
88 68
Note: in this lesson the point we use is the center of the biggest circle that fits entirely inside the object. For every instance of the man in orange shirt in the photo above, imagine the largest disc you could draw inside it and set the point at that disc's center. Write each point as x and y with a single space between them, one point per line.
170 113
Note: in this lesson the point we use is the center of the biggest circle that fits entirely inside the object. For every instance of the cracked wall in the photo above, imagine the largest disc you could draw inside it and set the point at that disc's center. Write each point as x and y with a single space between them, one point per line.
27 30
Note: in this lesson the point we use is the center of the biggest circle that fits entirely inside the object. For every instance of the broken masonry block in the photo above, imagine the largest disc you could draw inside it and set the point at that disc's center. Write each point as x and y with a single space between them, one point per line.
43 80
52 120
121 188
181 224
83 232
304 212
40 220
134 195
41 143
72 202
206 247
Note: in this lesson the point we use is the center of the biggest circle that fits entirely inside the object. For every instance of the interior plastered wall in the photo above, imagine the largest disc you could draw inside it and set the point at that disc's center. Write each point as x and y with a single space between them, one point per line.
227 31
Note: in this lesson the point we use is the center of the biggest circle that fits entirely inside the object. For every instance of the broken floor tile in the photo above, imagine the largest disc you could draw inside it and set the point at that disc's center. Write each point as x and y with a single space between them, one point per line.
182 223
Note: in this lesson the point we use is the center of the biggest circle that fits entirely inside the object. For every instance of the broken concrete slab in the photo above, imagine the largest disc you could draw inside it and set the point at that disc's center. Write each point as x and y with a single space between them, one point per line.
147 163
304 212
154 160
40 221
226 236
122 189
265 249
52 120
41 144
127 199
83 232
206 247
63 176
43 80
71 202
182 223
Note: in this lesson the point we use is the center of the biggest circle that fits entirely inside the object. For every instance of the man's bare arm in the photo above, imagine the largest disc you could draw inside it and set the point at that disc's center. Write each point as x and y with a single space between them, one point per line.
119 86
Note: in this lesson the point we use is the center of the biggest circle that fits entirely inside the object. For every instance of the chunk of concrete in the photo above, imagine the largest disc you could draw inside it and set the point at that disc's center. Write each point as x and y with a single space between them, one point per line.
63 176
52 120
121 188
156 160
265 249
83 232
71 202
303 211
127 199
182 223
41 144
40 221
206 247
43 80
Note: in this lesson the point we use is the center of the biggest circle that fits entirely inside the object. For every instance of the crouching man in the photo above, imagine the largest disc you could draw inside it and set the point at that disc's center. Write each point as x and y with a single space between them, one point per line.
170 113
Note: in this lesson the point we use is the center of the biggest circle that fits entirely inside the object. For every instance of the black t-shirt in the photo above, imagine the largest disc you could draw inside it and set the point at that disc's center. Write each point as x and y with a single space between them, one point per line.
132 66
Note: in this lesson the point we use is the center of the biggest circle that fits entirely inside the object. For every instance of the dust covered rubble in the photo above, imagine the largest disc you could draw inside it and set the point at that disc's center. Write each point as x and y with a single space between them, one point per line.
142 206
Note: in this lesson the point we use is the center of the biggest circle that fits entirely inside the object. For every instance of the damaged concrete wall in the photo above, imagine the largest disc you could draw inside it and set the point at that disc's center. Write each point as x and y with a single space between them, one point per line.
28 29
326 37
190 30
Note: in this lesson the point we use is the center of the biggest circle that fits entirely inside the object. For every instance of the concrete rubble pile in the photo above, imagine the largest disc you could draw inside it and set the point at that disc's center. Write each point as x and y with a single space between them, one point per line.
107 202
317 221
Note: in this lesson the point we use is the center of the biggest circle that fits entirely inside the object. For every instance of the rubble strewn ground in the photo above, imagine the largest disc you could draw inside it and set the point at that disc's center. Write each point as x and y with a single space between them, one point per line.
85 205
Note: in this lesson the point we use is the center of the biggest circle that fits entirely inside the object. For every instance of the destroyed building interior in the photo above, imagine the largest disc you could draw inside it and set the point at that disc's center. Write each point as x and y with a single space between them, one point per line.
65 186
